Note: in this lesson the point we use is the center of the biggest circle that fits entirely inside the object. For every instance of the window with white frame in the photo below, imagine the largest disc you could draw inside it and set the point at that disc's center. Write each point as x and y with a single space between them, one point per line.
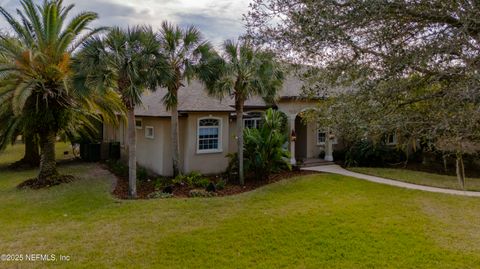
253 120
322 137
209 135
391 139
149 132
138 123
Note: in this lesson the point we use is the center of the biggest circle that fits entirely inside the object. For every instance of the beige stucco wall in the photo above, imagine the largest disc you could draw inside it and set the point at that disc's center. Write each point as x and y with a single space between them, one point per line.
293 107
151 151
156 154
206 163
166 161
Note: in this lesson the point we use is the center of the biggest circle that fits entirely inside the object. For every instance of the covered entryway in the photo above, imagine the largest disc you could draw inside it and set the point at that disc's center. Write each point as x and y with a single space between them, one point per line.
301 139
304 144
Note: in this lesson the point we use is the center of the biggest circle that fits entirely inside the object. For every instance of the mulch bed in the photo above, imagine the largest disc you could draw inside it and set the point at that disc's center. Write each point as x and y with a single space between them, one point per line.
35 184
144 188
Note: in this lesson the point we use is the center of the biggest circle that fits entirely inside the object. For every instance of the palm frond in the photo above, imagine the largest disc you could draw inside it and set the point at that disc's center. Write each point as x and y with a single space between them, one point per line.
16 26
246 72
37 85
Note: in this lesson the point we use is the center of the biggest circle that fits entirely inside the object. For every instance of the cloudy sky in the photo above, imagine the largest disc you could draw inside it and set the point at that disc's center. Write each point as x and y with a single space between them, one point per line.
217 19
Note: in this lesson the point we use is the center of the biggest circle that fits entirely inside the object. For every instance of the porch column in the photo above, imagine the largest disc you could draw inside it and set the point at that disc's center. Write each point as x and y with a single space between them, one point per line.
291 123
329 146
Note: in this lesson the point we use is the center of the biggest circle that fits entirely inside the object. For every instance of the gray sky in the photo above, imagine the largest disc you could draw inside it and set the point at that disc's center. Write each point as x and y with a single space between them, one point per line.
217 19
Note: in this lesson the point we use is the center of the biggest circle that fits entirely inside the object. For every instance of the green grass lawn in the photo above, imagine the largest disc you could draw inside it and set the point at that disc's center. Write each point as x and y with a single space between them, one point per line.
15 153
317 221
421 178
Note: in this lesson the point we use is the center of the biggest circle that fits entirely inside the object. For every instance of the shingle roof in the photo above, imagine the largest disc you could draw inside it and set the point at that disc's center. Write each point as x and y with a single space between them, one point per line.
193 97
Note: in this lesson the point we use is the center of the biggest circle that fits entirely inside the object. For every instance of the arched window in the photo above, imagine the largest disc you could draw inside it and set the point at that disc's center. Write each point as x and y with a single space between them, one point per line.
209 133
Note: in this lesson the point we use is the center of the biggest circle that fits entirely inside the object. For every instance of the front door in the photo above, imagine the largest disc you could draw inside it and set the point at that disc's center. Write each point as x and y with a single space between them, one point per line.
301 142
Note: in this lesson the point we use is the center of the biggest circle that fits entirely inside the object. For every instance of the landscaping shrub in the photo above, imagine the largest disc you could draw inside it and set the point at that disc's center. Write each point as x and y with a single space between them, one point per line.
142 174
232 169
211 187
162 182
220 185
264 153
367 153
192 179
339 155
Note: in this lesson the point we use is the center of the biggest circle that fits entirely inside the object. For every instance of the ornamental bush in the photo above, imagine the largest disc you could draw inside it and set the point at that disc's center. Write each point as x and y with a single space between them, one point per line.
264 152
367 153
192 179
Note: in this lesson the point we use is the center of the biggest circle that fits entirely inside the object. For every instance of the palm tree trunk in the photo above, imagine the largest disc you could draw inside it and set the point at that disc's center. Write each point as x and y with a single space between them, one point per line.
460 171
175 138
132 154
32 155
48 166
239 111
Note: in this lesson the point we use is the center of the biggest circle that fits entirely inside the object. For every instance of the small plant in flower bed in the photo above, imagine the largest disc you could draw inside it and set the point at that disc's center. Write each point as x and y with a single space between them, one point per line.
159 195
162 182
211 187
191 185
220 184
192 179
201 193
142 174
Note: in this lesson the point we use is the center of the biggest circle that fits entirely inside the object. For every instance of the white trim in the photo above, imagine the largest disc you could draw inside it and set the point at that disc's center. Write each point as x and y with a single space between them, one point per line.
141 124
220 137
147 128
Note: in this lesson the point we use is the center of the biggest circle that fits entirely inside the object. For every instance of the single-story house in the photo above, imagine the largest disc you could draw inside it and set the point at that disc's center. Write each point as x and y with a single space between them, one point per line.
207 129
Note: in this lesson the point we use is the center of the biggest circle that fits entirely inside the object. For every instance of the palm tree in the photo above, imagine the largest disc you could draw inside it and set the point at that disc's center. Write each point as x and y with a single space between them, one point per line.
129 62
83 123
245 71
11 128
36 71
186 53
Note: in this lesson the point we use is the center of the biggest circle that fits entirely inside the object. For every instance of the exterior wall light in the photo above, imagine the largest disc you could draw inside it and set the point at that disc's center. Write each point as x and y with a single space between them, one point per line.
293 136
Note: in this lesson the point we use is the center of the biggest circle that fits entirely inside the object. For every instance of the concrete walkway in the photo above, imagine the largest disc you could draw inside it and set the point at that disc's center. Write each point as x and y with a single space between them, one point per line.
336 169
